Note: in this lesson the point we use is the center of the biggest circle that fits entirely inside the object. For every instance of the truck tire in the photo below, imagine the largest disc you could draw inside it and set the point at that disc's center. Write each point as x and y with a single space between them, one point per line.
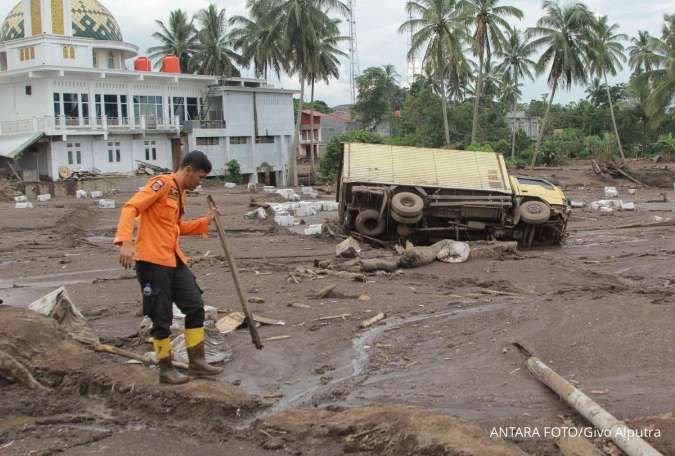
406 220
534 212
407 204
369 223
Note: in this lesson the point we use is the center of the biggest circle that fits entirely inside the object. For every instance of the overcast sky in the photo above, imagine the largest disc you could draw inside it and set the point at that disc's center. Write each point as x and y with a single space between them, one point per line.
377 27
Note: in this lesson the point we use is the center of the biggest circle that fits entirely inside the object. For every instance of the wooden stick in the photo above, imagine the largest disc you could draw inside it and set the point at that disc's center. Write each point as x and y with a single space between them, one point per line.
255 337
325 291
371 321
334 317
103 348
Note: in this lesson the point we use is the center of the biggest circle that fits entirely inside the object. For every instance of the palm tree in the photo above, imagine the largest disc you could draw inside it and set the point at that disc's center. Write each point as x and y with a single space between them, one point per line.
605 54
663 77
301 23
490 20
637 96
258 40
517 64
641 55
214 54
436 27
563 33
178 38
325 65
391 78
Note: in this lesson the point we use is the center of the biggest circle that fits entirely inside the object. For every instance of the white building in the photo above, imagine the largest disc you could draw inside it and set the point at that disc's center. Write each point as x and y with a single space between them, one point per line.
521 121
74 100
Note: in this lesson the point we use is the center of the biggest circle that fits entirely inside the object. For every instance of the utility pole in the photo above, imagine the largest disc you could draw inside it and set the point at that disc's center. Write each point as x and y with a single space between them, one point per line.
354 70
412 60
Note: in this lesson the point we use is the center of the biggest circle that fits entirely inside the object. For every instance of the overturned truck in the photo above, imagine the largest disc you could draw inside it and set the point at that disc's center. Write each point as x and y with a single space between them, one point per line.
390 193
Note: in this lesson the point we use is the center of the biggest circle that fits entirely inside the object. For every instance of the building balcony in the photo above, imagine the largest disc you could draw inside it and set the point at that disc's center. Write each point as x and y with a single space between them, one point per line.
63 125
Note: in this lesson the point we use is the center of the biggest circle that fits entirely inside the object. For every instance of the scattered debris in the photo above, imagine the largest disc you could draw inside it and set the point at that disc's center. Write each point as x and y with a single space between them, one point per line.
276 338
256 300
324 292
20 199
230 185
80 194
662 199
23 206
58 306
106 204
230 322
298 305
611 192
335 317
349 248
258 214
96 194
577 204
313 230
364 298
615 169
371 321
44 198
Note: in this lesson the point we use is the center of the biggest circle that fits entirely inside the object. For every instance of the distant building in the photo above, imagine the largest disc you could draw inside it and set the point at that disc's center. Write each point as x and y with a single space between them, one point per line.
314 135
76 99
520 120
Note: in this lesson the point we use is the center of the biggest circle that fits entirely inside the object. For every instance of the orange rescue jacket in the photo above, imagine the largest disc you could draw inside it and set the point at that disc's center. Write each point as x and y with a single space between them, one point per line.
160 208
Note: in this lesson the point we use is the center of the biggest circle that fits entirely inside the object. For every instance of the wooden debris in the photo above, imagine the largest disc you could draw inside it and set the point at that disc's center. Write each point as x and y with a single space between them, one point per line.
275 338
324 292
334 317
371 321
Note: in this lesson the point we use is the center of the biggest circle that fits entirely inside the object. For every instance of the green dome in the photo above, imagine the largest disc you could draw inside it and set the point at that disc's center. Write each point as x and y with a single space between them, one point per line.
90 20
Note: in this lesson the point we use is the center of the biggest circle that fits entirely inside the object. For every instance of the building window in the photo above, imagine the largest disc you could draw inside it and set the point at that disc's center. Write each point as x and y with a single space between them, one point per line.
239 140
111 60
3 61
27 53
110 106
85 105
264 139
94 54
69 52
179 108
74 154
192 109
114 152
79 157
29 90
57 105
150 148
208 141
71 107
70 157
150 107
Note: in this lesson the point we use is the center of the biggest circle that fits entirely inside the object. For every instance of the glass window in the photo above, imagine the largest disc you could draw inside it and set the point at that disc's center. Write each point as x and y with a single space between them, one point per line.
70 157
192 109
70 105
99 108
151 107
57 105
85 105
154 153
94 54
239 140
264 140
179 108
110 106
123 105
79 157
208 141
118 155
110 155
147 154
111 60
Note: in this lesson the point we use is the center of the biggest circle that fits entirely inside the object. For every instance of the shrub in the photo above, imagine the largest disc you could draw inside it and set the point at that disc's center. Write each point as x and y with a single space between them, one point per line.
234 172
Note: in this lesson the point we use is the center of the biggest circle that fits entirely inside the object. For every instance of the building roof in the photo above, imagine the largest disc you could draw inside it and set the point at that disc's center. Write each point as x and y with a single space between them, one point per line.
90 19
339 118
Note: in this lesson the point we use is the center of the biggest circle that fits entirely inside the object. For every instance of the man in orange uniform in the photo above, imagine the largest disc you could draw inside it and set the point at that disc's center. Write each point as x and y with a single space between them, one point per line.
161 265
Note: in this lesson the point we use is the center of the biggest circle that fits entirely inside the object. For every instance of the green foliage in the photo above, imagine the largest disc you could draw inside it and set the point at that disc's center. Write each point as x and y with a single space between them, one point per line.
331 158
665 145
318 105
234 172
379 96
480 148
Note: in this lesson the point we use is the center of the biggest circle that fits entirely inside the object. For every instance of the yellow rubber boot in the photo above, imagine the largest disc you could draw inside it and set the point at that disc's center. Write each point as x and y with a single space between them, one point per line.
194 341
168 375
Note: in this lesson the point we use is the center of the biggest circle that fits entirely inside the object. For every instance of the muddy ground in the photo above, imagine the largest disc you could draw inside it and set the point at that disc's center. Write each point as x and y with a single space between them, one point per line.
435 378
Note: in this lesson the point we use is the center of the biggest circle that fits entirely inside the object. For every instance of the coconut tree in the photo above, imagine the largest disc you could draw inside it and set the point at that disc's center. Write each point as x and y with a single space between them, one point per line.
437 32
490 20
324 65
642 58
663 77
178 37
301 23
258 39
605 54
214 54
516 66
563 34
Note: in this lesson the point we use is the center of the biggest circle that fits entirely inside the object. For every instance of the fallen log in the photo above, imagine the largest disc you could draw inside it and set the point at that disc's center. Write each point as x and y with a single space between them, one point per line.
324 292
624 437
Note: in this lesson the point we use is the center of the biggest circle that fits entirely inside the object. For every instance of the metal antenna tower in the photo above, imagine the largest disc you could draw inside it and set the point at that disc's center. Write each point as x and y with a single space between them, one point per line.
354 70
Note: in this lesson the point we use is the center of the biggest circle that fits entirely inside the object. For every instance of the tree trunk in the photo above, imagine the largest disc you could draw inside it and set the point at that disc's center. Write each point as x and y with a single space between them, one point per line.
513 128
644 135
311 138
476 104
611 110
542 128
296 136
444 101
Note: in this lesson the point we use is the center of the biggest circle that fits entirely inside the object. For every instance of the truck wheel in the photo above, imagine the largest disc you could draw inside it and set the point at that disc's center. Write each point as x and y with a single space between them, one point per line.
369 223
406 220
407 204
535 212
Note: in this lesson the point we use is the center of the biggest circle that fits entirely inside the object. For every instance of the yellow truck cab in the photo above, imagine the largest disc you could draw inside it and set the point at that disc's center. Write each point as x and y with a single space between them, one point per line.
390 192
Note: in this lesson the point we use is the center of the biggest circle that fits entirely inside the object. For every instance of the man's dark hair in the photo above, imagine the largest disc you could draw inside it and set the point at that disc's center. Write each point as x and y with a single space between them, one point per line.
198 160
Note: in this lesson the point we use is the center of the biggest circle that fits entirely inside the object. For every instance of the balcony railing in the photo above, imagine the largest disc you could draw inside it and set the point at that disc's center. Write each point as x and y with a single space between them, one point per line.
68 125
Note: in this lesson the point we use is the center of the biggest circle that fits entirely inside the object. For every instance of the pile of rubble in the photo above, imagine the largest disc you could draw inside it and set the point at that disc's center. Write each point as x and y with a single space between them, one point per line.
610 204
